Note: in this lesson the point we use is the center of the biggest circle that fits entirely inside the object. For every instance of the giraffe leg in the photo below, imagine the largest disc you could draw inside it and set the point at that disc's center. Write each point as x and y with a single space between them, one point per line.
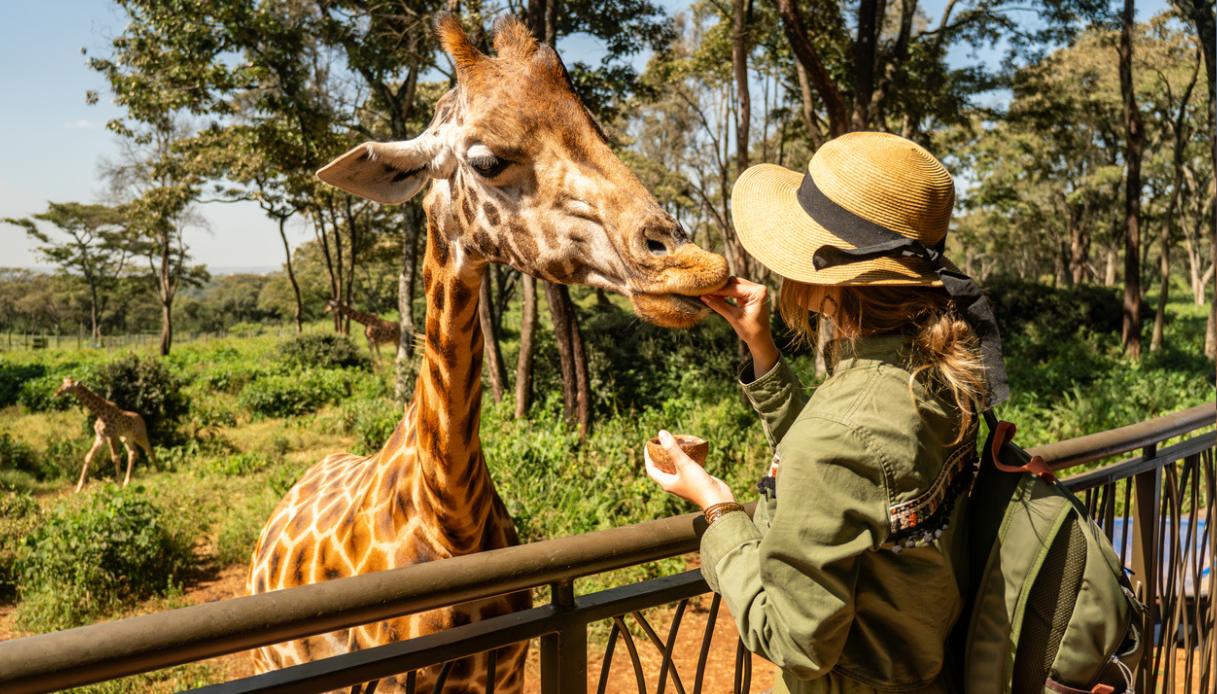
130 461
84 471
145 444
373 352
115 458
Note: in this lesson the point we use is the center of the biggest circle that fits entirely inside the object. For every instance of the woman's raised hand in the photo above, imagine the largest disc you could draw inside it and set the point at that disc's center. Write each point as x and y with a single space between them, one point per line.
748 317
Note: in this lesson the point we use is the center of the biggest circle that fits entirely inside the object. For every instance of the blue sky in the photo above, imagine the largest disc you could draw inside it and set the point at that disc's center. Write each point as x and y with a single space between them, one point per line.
52 143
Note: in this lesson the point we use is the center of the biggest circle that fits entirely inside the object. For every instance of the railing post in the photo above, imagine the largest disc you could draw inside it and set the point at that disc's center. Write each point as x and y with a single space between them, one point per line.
1148 489
564 653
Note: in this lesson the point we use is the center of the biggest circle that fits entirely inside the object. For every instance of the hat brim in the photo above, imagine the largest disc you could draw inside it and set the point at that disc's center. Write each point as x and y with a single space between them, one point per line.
774 229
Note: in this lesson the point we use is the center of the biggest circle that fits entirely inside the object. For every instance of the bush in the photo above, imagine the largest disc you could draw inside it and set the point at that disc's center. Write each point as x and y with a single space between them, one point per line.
15 455
88 561
18 517
145 385
372 422
321 351
235 465
13 377
38 394
294 394
1042 321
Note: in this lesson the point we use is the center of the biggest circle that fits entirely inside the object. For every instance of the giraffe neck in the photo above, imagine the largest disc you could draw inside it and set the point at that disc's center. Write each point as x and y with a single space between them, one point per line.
358 316
94 402
451 479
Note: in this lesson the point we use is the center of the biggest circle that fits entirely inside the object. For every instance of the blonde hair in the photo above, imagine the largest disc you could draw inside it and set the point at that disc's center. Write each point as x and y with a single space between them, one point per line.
945 349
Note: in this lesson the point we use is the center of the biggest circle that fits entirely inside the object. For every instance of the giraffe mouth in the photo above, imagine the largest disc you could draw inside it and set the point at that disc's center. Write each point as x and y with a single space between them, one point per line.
669 310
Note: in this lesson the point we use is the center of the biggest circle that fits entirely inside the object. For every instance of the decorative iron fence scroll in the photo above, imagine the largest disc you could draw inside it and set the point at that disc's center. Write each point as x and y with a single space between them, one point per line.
1156 506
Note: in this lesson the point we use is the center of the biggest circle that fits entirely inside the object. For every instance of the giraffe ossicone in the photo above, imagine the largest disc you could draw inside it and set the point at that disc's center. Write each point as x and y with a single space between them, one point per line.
521 175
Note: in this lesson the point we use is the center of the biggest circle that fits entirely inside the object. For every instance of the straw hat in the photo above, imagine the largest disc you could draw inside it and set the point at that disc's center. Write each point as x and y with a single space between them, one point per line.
883 179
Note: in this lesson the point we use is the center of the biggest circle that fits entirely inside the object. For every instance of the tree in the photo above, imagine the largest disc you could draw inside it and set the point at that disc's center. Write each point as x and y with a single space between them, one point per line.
1134 143
1200 13
91 250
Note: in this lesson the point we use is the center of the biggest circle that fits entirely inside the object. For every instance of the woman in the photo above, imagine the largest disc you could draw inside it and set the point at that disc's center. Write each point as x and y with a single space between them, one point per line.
847 577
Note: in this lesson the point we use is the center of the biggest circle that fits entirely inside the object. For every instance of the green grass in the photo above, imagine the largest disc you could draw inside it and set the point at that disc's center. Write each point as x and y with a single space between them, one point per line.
218 486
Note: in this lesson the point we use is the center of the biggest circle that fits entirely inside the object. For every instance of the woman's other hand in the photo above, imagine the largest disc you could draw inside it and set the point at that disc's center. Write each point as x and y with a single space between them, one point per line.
748 317
690 481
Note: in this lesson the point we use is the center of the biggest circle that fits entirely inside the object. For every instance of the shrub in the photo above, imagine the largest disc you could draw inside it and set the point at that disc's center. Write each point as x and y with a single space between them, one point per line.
372 422
235 465
321 350
295 394
15 455
13 377
87 561
145 385
18 517
1041 321
38 394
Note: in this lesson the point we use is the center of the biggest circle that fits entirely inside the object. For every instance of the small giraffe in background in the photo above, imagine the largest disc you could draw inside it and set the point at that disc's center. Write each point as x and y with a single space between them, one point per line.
112 423
375 328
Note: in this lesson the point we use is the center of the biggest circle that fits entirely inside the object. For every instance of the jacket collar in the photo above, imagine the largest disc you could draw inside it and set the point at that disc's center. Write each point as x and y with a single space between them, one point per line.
889 349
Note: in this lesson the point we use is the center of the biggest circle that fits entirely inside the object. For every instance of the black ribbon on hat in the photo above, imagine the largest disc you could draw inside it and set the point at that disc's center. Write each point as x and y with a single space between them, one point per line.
876 241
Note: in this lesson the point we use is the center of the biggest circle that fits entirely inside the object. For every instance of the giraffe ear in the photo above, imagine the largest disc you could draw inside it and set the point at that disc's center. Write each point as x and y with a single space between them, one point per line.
389 172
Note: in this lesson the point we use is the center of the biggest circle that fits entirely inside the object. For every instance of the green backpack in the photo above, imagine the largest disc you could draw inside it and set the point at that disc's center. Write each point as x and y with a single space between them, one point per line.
1051 607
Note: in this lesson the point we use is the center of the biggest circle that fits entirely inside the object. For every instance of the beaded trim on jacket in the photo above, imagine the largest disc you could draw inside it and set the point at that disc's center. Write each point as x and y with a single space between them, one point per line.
921 520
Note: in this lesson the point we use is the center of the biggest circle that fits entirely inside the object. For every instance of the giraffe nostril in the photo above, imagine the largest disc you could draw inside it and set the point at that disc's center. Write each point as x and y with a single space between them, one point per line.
656 247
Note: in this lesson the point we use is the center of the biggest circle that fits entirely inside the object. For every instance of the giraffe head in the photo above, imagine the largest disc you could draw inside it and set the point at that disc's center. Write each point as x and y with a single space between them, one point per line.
330 306
523 175
67 386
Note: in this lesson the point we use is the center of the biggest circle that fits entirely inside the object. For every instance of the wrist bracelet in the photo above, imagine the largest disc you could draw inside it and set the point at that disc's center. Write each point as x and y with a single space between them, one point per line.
715 511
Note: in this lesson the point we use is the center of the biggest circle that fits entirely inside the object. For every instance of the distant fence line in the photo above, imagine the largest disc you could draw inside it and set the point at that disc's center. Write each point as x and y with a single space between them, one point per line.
13 341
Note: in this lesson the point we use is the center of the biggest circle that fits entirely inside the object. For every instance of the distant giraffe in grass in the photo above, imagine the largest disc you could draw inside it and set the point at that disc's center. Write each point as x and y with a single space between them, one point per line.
376 329
112 423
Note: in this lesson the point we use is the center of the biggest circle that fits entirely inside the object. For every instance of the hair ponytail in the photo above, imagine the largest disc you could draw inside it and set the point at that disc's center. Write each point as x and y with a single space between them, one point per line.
946 351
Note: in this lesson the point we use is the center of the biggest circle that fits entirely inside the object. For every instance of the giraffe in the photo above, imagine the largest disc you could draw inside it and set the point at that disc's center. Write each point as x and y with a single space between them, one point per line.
522 175
376 329
112 423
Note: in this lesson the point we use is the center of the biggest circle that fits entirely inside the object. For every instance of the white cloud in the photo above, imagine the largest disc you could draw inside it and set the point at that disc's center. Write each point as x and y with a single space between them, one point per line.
82 124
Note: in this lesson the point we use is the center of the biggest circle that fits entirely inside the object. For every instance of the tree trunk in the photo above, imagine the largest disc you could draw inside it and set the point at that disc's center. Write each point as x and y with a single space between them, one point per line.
1109 270
1134 143
323 236
571 354
1210 330
494 355
166 326
404 363
1180 132
583 388
1079 251
291 276
739 64
806 54
870 20
528 331
93 312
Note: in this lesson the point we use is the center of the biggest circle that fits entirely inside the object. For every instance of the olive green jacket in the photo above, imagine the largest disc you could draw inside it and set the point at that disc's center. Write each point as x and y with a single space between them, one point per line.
844 578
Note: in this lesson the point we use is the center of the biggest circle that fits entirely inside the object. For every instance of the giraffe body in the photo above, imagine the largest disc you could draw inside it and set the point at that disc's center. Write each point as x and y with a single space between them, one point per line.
520 174
376 330
113 424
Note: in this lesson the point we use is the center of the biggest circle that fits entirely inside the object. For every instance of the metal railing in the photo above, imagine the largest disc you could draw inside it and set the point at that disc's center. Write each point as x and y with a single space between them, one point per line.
1164 498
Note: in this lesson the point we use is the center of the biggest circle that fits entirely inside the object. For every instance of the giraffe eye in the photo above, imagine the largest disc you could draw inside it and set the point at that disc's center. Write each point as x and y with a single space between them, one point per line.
488 165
